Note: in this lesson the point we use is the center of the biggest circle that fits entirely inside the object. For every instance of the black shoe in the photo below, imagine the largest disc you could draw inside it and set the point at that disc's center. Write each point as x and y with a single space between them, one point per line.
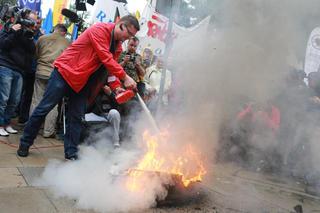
71 158
21 124
23 151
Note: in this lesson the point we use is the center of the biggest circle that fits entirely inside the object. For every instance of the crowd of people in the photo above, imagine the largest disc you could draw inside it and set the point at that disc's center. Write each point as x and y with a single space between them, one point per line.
44 76
278 135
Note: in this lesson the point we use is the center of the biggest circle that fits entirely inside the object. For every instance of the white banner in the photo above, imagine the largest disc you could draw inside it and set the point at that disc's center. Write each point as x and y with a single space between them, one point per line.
154 28
189 41
312 60
153 32
104 11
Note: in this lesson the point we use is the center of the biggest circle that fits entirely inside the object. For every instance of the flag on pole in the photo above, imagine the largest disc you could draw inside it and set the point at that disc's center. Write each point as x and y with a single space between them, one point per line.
74 35
138 15
47 23
58 6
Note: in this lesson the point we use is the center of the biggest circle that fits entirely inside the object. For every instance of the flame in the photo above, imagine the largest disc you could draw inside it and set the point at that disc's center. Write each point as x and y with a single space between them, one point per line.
185 163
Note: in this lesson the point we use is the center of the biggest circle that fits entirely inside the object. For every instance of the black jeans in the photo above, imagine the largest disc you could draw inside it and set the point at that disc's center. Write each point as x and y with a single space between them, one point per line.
26 97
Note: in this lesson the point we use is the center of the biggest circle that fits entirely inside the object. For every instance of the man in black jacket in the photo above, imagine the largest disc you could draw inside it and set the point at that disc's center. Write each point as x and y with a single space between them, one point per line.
29 77
17 50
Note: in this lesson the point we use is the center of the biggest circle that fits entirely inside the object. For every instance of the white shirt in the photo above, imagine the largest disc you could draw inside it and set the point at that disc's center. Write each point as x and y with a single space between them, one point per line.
153 79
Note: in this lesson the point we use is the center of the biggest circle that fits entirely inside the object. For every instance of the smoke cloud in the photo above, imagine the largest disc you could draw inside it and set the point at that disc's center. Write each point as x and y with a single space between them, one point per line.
98 180
245 56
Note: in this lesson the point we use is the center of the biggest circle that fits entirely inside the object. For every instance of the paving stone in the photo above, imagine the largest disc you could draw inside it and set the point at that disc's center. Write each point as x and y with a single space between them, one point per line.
31 174
53 153
25 200
269 179
14 139
6 148
11 178
230 188
35 159
65 205
43 142
9 160
55 141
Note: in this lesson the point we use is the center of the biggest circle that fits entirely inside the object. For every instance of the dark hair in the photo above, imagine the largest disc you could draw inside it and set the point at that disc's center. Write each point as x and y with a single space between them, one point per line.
130 20
61 28
135 39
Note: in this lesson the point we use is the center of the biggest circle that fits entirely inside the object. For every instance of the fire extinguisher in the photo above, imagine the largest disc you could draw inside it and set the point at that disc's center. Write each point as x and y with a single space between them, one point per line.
122 97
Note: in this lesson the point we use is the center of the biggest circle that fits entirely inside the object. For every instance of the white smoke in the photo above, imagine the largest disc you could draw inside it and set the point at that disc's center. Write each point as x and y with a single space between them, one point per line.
98 180
245 54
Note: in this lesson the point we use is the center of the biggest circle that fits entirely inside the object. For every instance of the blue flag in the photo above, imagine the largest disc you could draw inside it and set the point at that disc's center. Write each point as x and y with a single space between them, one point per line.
74 32
34 5
47 23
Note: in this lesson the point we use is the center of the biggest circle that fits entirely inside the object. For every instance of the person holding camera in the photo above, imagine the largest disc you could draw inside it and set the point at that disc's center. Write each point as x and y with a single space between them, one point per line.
73 76
131 62
17 50
29 77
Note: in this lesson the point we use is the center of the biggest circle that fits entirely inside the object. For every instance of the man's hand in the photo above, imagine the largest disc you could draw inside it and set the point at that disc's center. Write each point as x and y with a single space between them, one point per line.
107 90
126 59
119 90
140 69
129 83
138 63
16 27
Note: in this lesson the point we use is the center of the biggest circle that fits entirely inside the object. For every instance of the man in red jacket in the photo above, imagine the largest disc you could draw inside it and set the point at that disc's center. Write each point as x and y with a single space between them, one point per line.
73 73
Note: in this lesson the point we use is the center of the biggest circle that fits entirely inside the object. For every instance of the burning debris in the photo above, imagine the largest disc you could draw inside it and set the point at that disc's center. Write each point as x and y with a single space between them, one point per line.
166 174
186 164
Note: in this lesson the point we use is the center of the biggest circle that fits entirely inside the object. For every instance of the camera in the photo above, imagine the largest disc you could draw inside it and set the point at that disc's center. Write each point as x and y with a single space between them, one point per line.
132 57
11 15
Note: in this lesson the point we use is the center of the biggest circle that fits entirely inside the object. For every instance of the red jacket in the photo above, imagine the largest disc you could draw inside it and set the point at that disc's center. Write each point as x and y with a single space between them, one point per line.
84 56
271 119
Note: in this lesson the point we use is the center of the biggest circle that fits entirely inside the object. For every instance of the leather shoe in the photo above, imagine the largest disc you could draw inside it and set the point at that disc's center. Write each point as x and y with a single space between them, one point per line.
71 158
23 151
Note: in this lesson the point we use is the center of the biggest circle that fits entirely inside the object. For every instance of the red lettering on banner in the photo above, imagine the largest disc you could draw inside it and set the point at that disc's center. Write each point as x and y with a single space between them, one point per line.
152 29
155 30
157 19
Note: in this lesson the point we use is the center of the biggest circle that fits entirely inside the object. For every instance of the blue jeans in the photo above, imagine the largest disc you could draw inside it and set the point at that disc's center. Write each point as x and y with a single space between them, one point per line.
10 92
56 89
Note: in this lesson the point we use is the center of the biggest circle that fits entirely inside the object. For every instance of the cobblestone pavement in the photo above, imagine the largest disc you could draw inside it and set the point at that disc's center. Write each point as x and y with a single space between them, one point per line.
229 189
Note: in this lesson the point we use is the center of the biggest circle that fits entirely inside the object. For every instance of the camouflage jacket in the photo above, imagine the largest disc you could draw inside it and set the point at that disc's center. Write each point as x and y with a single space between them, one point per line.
130 68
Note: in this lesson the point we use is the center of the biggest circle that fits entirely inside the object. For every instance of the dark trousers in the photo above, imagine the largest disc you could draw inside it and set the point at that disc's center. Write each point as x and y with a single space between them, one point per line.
26 97
56 89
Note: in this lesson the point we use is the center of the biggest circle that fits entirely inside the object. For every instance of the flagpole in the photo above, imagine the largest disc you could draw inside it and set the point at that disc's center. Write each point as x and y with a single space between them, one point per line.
168 47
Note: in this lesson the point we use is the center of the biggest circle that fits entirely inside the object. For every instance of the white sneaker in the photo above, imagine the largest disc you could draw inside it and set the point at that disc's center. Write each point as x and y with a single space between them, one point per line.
3 132
11 130
116 145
